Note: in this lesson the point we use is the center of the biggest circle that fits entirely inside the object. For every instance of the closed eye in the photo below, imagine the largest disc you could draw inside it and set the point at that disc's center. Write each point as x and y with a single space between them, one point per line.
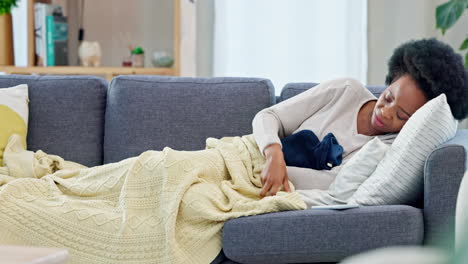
387 97
401 118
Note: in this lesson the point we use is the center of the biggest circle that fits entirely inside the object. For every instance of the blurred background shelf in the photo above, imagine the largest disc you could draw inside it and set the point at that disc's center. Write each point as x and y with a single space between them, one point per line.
153 24
107 72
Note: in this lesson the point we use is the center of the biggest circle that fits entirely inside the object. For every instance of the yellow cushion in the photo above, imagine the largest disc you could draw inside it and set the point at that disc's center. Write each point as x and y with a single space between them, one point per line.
13 115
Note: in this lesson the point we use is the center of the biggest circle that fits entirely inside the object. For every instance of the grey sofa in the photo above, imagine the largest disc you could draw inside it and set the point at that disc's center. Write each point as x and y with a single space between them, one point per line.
87 120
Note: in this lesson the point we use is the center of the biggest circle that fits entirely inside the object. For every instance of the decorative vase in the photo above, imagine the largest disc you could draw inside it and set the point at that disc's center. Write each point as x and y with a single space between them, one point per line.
90 53
162 59
6 40
138 60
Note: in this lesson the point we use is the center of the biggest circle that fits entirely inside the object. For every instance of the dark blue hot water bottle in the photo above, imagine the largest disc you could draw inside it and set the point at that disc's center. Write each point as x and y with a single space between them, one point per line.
304 149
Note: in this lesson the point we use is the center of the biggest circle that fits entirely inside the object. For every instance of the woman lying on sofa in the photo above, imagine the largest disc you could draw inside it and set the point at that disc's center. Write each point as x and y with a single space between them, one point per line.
418 72
169 206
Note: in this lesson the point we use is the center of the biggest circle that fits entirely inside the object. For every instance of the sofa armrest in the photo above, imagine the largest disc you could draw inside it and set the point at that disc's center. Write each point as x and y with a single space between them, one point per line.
443 172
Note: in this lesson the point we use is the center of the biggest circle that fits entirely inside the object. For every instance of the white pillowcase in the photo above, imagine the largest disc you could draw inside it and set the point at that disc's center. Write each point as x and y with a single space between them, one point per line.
354 172
358 169
398 179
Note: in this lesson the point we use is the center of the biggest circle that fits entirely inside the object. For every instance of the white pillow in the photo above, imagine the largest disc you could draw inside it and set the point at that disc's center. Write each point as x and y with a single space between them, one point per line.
358 169
398 178
354 172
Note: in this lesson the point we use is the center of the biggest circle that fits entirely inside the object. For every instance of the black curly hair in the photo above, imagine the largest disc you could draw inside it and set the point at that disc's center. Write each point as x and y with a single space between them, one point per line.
436 68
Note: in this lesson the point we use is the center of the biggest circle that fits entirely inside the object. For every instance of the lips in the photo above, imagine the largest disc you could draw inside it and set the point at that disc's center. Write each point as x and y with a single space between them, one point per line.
378 121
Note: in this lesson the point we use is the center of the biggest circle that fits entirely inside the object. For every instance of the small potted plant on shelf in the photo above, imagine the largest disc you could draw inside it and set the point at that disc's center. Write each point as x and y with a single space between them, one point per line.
6 34
138 57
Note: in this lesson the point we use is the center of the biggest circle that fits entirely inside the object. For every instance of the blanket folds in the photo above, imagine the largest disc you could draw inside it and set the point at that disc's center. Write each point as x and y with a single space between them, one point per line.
164 206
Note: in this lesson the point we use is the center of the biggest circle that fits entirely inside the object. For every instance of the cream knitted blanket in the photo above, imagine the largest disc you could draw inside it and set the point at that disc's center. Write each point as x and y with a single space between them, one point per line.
164 206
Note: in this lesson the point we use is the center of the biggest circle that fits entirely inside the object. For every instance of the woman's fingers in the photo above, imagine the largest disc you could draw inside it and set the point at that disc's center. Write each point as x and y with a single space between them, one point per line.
271 188
274 189
286 185
272 183
265 188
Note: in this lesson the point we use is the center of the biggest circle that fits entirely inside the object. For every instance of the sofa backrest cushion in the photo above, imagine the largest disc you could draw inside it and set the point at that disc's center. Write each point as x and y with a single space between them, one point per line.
152 112
292 89
66 115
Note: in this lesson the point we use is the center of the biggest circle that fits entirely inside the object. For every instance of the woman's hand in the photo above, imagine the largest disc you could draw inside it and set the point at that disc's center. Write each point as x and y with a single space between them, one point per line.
274 174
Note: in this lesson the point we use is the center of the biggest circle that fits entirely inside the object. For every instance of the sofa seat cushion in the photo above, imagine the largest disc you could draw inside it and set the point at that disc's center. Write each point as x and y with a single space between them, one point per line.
320 235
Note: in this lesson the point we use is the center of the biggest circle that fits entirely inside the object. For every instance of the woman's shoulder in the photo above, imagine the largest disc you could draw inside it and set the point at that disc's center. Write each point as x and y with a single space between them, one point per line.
345 84
348 89
340 90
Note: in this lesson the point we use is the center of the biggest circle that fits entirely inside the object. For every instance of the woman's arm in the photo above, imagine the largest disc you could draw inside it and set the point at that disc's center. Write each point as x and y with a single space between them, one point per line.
282 119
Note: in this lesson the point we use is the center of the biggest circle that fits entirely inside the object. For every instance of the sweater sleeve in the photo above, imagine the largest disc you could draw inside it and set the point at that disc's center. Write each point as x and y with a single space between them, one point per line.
282 119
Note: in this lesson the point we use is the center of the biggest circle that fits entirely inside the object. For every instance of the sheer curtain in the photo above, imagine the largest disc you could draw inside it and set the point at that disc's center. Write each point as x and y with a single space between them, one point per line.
291 40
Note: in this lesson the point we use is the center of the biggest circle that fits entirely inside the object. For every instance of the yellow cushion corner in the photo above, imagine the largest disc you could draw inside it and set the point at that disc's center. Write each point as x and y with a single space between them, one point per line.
13 115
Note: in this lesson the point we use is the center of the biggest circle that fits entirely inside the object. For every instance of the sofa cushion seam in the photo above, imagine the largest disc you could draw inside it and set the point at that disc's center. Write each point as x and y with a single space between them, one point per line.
160 81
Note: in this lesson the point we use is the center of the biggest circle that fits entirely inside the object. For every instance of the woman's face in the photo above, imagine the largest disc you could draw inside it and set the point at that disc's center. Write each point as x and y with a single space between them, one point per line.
396 104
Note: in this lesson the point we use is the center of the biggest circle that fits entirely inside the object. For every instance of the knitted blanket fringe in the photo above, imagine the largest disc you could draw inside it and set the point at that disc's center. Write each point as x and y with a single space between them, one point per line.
164 206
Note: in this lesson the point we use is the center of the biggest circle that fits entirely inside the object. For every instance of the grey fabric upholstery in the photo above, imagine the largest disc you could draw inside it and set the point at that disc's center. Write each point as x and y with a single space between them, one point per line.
66 115
320 235
292 89
151 112
278 99
443 172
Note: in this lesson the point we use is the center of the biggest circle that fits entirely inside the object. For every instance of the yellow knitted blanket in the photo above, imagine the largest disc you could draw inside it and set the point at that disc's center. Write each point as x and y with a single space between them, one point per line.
164 206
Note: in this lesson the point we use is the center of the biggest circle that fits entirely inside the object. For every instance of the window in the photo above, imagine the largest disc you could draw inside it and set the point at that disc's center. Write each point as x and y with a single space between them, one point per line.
291 40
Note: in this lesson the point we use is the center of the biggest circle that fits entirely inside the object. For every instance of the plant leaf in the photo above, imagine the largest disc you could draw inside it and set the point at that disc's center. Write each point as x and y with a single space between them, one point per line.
448 13
6 6
464 45
466 61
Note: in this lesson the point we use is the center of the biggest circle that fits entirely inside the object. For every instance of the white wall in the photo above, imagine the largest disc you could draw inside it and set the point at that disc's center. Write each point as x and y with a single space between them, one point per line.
391 23
204 44
119 23
188 38
290 41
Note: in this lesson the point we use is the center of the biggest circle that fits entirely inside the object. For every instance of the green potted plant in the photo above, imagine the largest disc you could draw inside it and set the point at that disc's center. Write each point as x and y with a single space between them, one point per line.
447 14
138 57
6 32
